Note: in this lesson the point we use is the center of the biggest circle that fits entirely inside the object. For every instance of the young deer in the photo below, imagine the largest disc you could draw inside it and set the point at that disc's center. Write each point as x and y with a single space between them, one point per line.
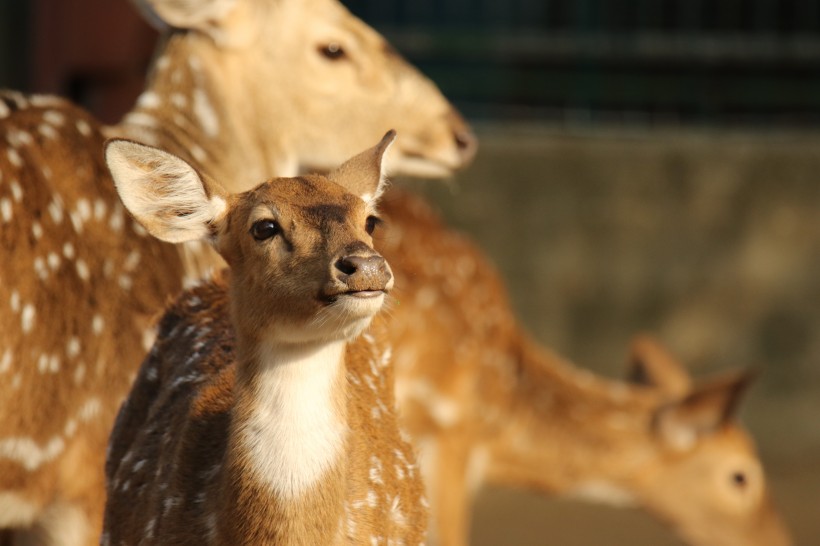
252 420
243 89
485 404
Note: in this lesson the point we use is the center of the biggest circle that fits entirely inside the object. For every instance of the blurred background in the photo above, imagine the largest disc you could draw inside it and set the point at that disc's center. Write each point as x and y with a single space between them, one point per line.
645 165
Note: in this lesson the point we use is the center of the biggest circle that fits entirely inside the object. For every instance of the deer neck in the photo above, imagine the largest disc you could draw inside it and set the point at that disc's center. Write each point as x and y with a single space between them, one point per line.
196 106
593 434
286 448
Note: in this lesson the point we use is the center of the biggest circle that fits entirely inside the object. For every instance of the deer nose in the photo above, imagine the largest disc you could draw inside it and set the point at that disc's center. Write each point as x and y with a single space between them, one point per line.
464 138
363 273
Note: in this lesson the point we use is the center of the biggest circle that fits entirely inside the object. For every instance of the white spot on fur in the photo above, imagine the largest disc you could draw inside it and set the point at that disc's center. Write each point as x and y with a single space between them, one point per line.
97 324
5 209
149 99
54 117
27 318
48 131
36 230
99 209
16 191
205 113
600 491
82 269
14 301
125 282
5 362
84 209
15 510
40 268
28 454
72 349
53 260
68 251
132 260
14 157
83 127
55 209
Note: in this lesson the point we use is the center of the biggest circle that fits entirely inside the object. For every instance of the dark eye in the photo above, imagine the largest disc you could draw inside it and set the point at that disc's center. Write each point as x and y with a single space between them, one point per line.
739 479
265 229
332 51
371 223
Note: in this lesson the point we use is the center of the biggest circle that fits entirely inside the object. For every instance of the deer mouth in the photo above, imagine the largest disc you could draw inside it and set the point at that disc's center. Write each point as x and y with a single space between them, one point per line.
358 294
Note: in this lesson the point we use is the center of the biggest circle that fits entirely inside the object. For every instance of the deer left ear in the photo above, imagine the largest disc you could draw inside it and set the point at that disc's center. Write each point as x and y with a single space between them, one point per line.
703 411
365 174
651 365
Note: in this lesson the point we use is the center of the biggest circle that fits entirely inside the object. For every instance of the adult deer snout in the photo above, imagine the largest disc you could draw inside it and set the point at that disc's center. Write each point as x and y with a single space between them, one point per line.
363 272
465 140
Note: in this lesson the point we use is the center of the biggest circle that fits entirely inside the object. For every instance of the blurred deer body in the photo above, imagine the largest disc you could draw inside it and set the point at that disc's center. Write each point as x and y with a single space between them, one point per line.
242 92
262 428
485 404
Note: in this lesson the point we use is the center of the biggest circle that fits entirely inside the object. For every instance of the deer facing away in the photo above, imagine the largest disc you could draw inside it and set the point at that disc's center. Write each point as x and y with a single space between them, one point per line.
240 88
504 411
251 421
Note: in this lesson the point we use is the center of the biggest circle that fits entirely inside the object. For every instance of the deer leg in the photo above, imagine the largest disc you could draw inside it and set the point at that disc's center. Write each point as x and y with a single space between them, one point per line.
448 455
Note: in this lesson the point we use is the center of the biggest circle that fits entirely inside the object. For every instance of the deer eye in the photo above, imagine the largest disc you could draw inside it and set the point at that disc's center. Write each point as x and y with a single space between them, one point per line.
332 51
371 223
265 229
740 480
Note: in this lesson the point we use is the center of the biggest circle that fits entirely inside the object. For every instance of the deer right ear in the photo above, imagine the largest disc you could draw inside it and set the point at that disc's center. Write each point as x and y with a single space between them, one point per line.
187 14
651 365
164 193
702 411
365 174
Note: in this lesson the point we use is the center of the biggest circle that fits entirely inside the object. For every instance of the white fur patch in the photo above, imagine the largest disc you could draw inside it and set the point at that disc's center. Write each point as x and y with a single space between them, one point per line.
28 454
604 492
205 113
294 435
16 511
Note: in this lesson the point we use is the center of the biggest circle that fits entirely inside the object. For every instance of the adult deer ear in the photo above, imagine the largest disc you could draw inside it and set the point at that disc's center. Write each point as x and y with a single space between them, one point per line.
365 174
188 14
703 411
651 365
165 194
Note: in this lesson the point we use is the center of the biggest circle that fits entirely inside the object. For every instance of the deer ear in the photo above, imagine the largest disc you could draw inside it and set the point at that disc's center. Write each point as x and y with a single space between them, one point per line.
165 194
703 411
651 365
187 14
365 175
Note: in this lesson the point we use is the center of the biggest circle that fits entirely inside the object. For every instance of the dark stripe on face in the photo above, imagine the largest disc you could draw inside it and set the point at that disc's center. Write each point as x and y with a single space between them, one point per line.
320 213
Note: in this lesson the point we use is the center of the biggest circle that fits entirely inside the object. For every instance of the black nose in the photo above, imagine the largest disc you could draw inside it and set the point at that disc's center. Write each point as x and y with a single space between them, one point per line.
362 272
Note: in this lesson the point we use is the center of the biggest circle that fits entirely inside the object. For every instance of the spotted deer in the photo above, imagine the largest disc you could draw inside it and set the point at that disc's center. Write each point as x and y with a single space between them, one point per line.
242 89
253 420
486 405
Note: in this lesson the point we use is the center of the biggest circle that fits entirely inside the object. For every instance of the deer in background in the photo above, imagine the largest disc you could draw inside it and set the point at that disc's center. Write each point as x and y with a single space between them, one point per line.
242 89
251 422
487 405
231 117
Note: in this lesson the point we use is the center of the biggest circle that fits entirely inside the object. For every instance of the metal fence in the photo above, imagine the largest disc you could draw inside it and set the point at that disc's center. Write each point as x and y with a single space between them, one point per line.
640 61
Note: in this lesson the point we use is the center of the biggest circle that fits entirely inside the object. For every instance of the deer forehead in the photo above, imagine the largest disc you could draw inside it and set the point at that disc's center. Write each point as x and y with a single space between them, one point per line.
307 201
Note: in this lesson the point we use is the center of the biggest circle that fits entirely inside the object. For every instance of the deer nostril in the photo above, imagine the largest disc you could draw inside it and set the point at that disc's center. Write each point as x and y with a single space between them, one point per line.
466 144
348 265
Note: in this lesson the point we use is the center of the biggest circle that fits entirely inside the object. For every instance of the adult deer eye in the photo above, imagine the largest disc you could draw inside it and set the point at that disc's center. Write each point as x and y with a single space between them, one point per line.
332 51
739 480
265 229
371 223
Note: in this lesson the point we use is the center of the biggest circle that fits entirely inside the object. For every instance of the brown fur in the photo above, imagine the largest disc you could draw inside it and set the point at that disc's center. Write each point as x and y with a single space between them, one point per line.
67 243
